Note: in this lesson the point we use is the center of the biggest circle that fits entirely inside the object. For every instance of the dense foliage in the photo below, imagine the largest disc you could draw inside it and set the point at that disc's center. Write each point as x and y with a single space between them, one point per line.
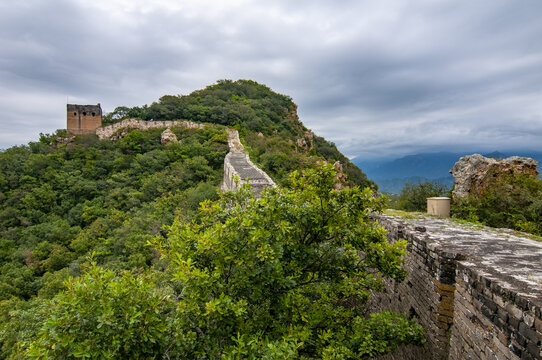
84 222
267 121
104 316
291 271
513 202
285 276
242 103
60 202
413 197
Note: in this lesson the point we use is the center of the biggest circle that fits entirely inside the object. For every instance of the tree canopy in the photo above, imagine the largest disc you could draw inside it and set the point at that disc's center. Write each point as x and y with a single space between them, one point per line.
60 202
291 272
104 253
284 276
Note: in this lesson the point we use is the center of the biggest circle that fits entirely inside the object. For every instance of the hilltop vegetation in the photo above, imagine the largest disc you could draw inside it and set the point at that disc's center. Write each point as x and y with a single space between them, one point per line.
104 253
267 122
59 203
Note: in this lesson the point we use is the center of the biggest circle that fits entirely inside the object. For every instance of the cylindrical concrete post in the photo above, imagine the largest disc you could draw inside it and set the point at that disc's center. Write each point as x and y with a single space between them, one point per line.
439 206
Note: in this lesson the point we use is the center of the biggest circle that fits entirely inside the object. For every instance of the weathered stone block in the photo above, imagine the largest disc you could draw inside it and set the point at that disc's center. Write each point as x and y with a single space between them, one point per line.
473 173
528 332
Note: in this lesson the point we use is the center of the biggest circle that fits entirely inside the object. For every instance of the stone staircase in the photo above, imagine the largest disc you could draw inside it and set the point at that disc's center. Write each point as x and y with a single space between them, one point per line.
239 170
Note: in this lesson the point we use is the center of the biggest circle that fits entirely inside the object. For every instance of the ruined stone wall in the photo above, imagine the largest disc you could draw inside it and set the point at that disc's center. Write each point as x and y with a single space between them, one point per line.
238 169
83 119
115 131
476 292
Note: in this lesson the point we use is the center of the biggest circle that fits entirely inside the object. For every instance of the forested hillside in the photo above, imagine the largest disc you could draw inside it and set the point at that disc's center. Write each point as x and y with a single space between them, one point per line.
62 202
267 121
94 261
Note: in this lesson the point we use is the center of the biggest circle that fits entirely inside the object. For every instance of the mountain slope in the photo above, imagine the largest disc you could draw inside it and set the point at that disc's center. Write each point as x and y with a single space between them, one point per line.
62 202
78 214
267 122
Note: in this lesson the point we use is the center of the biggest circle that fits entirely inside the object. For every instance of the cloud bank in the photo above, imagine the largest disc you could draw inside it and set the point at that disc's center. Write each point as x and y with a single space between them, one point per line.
380 79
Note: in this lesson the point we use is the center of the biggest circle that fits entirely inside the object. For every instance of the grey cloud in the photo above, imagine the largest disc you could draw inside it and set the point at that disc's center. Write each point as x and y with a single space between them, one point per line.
377 78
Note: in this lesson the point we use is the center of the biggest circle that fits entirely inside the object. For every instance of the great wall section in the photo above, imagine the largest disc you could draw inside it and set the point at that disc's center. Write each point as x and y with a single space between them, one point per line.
476 291
239 170
112 132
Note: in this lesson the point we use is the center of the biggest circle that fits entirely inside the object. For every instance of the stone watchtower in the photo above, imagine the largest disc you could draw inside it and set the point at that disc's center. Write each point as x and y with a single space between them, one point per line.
83 119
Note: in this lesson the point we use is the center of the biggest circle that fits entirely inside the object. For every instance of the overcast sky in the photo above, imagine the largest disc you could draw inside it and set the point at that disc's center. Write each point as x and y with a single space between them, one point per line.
379 78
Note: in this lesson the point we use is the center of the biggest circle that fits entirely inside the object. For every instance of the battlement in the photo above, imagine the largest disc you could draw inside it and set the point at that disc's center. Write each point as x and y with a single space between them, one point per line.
83 119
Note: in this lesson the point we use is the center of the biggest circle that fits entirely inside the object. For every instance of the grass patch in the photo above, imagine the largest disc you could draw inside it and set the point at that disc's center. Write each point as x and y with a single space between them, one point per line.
403 214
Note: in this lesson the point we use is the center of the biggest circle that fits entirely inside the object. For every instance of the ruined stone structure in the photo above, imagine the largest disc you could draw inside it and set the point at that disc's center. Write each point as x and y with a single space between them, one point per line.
119 130
83 119
473 173
476 291
239 170
167 137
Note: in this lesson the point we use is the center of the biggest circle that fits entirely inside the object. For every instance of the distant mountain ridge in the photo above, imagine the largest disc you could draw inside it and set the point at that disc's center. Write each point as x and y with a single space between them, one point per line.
391 175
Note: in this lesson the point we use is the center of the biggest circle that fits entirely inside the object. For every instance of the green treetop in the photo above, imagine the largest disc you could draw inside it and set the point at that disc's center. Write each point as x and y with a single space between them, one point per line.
287 275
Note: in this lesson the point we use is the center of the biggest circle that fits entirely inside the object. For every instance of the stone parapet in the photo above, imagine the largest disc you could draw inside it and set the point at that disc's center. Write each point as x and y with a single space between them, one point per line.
476 291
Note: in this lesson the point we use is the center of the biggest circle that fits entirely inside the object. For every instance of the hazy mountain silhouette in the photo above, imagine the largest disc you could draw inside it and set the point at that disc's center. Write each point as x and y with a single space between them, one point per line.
391 175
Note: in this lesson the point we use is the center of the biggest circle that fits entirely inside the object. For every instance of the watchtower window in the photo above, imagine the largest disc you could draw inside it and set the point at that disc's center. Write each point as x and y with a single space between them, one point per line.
75 113
84 113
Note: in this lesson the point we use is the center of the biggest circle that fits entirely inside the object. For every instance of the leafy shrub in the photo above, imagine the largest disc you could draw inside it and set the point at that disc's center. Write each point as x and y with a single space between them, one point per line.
287 275
103 316
514 202
413 197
